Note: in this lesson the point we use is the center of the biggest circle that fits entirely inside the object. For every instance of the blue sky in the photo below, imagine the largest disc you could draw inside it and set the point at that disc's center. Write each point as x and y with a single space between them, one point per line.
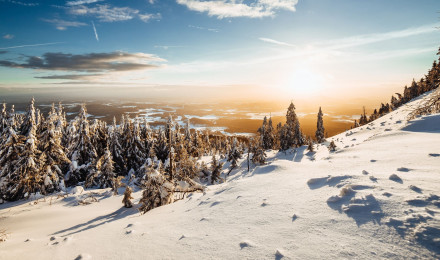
291 47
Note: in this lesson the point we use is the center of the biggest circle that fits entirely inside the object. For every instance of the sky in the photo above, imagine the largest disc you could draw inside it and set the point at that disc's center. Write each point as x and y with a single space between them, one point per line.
287 49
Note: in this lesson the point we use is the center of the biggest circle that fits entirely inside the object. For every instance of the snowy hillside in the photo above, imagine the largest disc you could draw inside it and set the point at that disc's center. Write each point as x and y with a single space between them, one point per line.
377 196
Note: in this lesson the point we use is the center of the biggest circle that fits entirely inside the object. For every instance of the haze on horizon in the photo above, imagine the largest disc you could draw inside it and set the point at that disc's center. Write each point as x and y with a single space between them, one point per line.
344 52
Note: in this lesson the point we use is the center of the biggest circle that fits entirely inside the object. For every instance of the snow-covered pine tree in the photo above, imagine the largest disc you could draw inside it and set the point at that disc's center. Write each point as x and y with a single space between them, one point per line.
10 152
310 145
104 174
332 146
26 177
82 153
299 139
3 119
99 136
159 191
134 148
29 120
216 169
116 149
161 149
290 134
259 155
234 155
319 134
127 197
54 161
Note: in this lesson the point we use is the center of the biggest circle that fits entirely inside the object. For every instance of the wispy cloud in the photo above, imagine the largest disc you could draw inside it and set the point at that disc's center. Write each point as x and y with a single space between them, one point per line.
108 13
81 2
231 8
276 42
62 24
379 37
71 76
8 36
147 17
91 62
20 3
96 33
203 28
105 13
29 45
166 47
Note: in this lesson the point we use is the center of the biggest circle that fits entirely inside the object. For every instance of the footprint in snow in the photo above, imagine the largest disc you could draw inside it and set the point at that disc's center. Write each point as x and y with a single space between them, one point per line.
403 169
294 217
434 154
245 244
372 178
415 188
182 237
364 172
372 160
83 257
396 178
278 255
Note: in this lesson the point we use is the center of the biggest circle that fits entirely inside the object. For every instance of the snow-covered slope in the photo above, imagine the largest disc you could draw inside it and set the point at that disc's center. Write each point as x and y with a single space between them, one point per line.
377 196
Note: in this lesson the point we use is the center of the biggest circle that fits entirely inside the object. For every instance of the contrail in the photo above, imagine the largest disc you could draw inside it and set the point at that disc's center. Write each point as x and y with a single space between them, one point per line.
30 45
96 33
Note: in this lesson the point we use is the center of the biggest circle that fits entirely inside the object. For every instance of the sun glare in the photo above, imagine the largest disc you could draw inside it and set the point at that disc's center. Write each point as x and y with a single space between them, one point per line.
304 81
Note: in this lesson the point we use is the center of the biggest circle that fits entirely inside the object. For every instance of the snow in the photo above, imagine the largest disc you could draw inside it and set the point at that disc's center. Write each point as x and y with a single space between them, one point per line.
322 205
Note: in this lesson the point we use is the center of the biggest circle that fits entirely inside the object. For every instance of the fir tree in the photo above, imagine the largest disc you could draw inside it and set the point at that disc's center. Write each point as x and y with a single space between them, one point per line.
319 134
216 169
234 155
158 192
82 152
127 197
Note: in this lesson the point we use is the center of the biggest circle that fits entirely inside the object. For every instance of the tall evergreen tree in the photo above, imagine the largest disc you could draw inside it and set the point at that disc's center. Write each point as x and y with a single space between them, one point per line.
319 134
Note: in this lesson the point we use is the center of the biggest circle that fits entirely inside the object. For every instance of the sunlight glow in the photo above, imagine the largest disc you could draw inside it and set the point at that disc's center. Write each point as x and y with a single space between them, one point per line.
304 81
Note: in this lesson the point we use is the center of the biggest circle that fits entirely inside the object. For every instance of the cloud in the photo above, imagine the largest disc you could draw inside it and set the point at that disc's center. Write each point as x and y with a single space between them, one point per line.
20 3
379 37
203 28
147 17
96 33
91 62
276 42
30 45
166 47
8 36
105 13
62 24
81 2
71 76
231 8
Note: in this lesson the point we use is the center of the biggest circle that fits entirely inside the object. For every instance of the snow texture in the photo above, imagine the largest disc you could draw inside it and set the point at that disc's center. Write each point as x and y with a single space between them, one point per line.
291 208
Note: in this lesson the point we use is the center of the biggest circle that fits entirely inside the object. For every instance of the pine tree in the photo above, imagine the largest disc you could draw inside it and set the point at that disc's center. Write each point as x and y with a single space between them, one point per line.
216 169
319 134
161 148
332 146
134 149
127 197
116 149
26 177
234 155
158 192
103 174
54 162
82 153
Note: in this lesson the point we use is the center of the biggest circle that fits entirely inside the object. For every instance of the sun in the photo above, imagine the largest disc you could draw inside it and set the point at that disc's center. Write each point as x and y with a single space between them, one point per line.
304 82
